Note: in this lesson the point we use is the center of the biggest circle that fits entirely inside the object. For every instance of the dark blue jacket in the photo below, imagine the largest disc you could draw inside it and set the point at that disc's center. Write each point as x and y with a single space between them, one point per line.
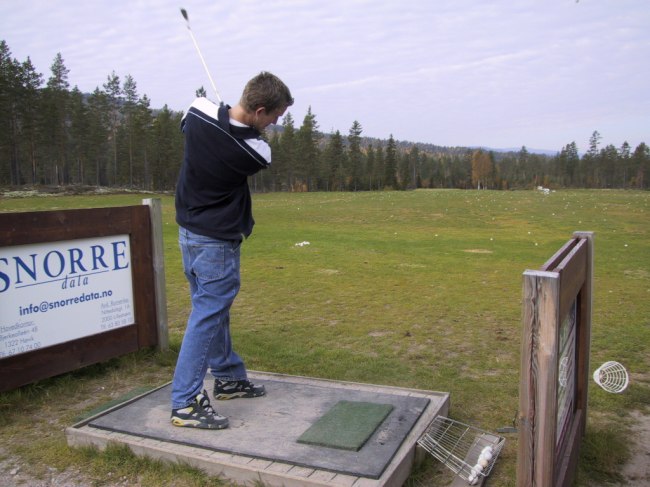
212 193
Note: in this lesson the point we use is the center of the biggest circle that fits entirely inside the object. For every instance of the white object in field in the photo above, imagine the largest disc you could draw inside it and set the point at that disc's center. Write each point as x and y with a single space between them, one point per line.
301 244
612 377
486 454
459 447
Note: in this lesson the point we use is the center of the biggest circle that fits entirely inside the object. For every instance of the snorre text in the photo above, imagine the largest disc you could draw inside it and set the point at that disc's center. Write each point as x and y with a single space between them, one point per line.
54 292
71 265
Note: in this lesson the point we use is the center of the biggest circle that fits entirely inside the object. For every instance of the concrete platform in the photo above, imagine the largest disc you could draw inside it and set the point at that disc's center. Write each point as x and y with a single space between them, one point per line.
261 443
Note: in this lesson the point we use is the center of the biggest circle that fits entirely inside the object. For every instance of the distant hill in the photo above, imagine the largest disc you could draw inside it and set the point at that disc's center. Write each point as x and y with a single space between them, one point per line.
424 146
544 152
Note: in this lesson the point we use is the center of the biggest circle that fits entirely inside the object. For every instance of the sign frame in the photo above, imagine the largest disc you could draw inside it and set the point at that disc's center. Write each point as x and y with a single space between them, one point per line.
65 225
557 303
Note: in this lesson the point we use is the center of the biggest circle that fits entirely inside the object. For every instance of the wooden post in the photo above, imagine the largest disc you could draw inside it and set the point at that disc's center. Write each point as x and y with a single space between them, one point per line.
557 301
155 210
539 378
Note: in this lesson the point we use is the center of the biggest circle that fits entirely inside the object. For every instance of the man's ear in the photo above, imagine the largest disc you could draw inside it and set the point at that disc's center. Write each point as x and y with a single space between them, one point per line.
260 110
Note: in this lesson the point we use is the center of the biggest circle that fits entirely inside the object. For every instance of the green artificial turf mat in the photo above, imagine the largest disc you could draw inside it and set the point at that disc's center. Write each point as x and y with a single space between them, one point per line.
346 426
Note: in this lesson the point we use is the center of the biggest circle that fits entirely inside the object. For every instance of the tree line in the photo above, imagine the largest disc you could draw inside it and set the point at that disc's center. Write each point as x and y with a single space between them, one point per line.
55 135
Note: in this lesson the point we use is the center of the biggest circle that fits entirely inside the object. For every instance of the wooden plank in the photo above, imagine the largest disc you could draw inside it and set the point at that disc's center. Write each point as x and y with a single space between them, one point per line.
142 269
573 272
583 345
158 256
568 460
527 385
546 394
551 264
52 226
18 370
538 387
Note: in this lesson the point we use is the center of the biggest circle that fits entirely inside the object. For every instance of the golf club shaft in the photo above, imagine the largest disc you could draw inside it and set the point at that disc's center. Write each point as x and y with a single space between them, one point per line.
196 45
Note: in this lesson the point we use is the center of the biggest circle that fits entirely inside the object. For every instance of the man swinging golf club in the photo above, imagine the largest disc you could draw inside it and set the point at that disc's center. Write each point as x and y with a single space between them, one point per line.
223 148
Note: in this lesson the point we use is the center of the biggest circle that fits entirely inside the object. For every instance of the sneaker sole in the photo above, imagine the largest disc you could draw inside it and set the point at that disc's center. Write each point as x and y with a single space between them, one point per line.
190 423
235 395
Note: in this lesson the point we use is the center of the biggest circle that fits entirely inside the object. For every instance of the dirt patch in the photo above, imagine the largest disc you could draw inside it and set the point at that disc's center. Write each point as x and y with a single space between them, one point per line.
637 470
17 473
377 334
328 272
477 251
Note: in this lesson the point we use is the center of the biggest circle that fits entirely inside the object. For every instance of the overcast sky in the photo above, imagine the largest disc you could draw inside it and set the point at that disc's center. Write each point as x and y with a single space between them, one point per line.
492 73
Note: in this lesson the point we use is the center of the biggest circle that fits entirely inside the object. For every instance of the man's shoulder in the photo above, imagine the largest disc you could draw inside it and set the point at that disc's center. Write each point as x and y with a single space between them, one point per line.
205 106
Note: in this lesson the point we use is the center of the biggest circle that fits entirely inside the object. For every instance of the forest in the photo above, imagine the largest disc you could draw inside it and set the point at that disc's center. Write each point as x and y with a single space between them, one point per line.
55 135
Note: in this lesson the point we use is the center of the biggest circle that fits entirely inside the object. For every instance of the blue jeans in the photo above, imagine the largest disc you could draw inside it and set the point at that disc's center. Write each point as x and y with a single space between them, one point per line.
212 270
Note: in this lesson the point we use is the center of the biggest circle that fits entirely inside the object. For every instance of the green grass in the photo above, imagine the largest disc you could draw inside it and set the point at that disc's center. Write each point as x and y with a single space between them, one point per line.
417 289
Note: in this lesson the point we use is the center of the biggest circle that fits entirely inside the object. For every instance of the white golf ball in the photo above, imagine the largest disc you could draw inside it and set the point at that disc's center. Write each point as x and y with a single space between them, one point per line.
487 451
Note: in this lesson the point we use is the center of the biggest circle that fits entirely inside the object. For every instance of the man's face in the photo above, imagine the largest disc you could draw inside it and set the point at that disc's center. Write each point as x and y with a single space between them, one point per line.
263 118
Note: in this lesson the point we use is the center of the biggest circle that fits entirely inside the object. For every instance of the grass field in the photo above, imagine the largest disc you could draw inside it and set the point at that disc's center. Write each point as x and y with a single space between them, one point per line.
417 289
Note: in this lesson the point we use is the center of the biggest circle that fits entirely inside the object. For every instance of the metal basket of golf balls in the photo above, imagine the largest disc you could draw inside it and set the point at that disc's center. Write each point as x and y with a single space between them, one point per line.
468 451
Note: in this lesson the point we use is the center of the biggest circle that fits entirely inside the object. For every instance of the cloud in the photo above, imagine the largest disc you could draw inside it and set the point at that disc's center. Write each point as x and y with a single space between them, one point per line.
463 72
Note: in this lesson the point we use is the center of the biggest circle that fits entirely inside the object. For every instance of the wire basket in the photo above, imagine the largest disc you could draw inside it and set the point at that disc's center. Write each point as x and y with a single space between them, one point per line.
612 377
467 451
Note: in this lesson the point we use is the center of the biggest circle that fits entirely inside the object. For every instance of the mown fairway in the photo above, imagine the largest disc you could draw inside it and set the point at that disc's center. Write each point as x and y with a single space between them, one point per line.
417 289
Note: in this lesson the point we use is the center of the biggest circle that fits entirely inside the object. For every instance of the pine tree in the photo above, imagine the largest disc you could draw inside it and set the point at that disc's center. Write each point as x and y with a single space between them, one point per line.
370 167
414 167
334 163
9 90
79 130
57 97
625 163
129 109
284 159
98 136
380 167
142 127
608 158
641 161
113 94
30 101
355 157
591 163
403 162
308 140
167 149
390 164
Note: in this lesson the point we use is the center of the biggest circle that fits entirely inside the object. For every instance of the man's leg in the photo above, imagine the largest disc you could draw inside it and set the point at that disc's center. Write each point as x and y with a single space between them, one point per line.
213 287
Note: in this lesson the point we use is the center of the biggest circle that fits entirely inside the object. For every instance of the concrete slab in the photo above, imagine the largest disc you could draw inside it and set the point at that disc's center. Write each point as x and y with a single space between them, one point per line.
261 442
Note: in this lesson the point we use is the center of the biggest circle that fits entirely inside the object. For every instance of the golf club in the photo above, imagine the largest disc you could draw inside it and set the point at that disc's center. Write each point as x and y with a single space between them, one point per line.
187 20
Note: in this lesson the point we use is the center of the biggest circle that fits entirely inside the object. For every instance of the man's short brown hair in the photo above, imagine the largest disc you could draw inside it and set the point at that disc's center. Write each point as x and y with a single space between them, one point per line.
265 90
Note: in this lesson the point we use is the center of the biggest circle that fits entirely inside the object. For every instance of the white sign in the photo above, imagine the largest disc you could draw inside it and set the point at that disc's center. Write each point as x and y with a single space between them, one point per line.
54 292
